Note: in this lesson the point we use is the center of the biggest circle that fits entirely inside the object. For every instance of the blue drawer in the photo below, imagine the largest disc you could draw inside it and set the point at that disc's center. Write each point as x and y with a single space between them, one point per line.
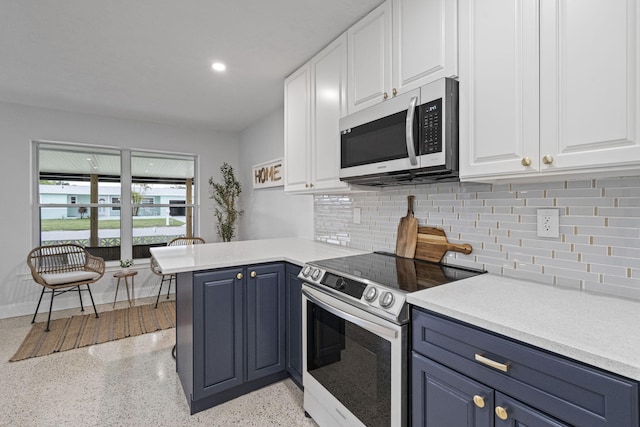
568 390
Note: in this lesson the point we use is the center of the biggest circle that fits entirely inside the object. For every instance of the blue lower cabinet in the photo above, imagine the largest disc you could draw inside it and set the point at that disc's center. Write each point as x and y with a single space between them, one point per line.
466 376
265 320
510 412
230 332
218 331
293 289
443 397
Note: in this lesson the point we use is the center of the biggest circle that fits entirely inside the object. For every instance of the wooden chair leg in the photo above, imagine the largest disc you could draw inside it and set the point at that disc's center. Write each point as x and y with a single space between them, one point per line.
38 306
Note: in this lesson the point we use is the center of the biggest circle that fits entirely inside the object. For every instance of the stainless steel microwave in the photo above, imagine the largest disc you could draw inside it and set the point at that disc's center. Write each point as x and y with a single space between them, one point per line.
411 138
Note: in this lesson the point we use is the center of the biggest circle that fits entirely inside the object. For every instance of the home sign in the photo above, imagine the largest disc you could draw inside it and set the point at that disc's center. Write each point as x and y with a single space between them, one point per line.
268 174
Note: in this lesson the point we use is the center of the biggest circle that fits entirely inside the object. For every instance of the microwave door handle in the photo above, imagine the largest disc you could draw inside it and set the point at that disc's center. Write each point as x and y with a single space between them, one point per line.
411 148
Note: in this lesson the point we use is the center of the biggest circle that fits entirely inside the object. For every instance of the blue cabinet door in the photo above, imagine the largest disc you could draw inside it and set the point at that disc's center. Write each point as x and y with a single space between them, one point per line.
218 331
442 397
514 413
265 320
293 289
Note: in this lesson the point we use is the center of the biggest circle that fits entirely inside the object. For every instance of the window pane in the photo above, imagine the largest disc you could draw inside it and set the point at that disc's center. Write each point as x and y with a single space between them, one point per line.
73 177
162 185
57 226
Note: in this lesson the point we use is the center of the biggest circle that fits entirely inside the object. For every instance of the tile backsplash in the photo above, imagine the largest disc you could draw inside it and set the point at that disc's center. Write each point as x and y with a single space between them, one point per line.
598 248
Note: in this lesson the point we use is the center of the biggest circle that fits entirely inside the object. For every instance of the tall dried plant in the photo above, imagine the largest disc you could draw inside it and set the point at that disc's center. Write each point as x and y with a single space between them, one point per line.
226 195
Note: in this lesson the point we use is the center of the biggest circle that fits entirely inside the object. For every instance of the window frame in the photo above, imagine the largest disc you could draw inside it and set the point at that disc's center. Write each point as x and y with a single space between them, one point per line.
125 204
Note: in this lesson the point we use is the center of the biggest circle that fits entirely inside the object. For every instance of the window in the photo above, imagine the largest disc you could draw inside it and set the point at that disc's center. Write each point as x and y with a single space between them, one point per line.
84 191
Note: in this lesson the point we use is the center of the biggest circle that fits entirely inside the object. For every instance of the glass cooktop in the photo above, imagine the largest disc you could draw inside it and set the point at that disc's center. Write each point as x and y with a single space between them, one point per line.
388 270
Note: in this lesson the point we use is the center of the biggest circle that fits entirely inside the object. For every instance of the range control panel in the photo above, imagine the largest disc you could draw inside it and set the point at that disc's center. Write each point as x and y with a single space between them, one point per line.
377 299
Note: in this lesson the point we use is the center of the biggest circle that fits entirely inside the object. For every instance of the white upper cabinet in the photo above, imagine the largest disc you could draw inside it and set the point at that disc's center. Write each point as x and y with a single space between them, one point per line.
297 129
400 45
329 103
370 58
548 87
315 99
589 78
425 46
498 87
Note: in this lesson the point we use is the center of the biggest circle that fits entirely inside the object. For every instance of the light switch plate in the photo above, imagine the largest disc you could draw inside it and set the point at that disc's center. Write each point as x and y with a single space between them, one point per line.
548 222
356 216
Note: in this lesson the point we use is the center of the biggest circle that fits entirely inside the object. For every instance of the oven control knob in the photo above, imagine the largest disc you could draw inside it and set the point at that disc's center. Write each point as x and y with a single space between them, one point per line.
386 300
315 275
371 294
306 271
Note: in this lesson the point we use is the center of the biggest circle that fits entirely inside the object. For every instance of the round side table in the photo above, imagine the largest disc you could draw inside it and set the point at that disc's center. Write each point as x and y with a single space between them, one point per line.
122 275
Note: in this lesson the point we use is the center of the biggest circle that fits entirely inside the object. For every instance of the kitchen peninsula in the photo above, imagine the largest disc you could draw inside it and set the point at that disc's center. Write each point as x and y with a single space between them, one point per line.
238 310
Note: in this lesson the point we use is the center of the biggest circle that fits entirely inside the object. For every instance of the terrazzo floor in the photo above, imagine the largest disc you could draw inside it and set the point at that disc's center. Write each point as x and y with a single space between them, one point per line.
129 382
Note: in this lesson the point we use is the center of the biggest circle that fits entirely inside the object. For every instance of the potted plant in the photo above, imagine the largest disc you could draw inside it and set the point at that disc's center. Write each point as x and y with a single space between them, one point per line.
126 264
226 195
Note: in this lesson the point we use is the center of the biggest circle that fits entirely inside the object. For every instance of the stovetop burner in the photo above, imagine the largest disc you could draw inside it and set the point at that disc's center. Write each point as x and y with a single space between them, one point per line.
378 282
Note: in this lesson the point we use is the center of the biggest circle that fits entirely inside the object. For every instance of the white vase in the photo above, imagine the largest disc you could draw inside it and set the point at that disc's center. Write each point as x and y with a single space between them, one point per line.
125 270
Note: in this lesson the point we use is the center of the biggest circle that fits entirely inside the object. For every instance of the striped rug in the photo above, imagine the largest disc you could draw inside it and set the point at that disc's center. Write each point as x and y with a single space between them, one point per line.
80 331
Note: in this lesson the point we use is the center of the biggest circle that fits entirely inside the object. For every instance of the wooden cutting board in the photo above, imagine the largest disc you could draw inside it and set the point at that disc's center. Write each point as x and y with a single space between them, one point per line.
407 233
432 244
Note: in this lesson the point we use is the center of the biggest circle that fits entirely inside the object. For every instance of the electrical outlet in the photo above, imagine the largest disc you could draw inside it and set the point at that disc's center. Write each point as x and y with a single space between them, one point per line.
548 223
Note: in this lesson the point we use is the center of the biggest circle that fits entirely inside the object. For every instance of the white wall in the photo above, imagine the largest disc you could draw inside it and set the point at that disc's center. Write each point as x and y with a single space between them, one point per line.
19 125
269 212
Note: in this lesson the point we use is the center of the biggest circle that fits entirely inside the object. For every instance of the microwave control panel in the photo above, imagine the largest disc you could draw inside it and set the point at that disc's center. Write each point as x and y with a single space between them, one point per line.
431 116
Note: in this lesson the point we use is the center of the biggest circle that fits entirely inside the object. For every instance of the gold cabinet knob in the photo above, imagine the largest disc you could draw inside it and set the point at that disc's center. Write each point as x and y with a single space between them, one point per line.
385 95
254 274
306 186
394 91
547 160
310 185
501 413
526 161
479 401
239 276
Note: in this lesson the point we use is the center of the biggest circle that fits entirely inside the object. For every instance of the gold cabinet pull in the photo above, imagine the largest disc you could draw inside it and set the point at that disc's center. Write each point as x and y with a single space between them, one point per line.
254 274
547 160
306 186
394 91
385 95
239 276
497 365
501 413
479 401
310 185
526 161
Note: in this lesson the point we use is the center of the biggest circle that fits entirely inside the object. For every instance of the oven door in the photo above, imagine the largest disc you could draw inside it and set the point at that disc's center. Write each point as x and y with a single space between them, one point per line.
355 369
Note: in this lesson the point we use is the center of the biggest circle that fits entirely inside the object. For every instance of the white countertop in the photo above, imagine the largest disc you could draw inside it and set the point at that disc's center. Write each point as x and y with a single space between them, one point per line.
600 330
177 259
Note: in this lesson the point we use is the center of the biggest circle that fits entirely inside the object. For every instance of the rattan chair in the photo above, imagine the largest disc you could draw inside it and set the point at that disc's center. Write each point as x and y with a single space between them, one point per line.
63 268
168 278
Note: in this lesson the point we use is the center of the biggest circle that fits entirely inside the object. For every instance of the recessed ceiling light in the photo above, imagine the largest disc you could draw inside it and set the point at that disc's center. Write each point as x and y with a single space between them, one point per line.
218 66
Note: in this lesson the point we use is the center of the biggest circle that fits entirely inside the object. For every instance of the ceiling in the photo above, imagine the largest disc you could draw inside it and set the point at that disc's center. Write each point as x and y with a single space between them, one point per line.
151 59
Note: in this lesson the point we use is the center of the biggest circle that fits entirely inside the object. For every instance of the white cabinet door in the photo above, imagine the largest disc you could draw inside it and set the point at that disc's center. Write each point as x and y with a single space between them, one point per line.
424 42
297 129
589 84
499 122
329 78
370 58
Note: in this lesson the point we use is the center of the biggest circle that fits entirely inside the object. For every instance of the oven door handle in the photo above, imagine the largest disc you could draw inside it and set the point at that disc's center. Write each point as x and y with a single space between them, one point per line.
411 147
370 326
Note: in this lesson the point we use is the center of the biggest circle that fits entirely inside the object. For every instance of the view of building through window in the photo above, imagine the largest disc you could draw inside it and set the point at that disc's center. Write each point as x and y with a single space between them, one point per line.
83 193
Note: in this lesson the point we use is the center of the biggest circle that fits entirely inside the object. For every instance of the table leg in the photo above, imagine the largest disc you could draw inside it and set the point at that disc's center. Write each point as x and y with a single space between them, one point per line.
126 281
133 292
116 297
